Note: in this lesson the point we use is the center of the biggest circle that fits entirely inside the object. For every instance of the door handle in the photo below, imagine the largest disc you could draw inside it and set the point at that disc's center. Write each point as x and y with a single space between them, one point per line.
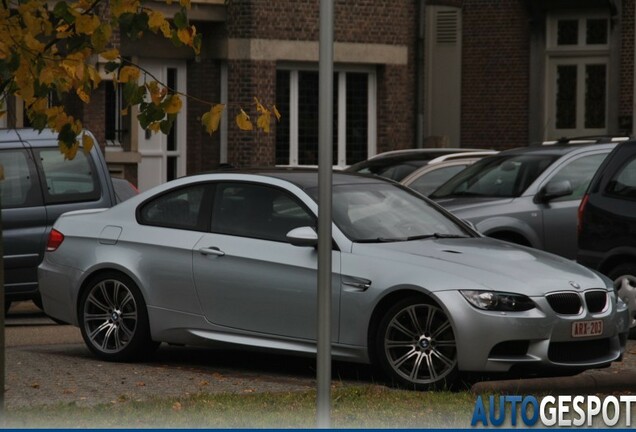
213 250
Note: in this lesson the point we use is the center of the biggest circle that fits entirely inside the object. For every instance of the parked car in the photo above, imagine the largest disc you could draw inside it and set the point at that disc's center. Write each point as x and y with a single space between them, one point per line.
397 164
607 223
123 189
231 258
528 195
38 186
439 170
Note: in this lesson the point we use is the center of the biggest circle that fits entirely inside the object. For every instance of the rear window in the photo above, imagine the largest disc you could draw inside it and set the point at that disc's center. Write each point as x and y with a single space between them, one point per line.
68 180
19 185
623 184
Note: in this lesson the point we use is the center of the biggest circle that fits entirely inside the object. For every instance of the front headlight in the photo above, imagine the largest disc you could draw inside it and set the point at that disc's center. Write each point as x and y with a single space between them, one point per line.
498 301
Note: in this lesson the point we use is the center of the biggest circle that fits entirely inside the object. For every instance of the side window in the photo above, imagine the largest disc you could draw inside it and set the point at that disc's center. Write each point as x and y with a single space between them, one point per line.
623 184
428 182
180 209
579 173
68 180
263 212
19 186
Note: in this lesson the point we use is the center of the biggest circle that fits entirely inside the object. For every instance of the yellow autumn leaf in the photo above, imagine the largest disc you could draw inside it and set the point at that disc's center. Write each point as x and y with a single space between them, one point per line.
85 97
2 114
110 54
185 3
264 121
157 93
94 76
71 152
212 118
276 113
165 29
33 44
128 74
155 126
186 35
47 75
87 143
155 20
86 24
120 7
173 104
243 121
259 107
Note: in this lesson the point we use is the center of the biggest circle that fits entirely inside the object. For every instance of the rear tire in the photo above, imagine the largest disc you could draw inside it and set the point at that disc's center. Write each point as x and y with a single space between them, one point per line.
624 277
113 319
415 345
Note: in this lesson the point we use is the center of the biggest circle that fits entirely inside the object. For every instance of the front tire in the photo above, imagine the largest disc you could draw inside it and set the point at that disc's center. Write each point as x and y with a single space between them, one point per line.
415 345
114 320
624 277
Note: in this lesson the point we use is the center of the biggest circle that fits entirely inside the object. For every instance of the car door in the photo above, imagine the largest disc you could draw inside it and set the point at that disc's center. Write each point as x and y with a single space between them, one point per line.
23 220
559 214
247 276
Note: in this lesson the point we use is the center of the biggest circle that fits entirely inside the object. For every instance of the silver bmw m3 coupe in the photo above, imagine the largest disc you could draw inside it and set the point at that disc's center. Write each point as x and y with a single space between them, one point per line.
230 257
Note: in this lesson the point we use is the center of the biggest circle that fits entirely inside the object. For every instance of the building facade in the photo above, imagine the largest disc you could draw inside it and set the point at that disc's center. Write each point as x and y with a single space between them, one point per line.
409 73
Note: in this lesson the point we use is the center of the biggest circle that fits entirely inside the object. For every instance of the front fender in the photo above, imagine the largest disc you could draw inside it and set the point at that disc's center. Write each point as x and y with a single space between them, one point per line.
509 224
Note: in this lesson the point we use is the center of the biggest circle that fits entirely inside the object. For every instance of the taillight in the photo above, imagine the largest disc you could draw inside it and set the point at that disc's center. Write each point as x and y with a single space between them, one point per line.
579 225
55 240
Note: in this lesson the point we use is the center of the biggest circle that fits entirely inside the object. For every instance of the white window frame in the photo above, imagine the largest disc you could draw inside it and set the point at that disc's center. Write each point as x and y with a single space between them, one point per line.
580 55
341 83
119 118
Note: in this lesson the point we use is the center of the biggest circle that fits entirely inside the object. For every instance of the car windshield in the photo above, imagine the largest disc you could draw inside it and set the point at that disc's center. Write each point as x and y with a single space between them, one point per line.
505 176
373 213
391 169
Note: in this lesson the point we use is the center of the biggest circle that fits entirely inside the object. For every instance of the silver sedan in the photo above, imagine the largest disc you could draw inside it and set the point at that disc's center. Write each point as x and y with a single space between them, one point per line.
231 258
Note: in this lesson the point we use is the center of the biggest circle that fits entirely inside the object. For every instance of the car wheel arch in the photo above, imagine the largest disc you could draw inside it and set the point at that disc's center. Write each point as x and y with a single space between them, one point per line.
390 299
617 258
92 274
510 236
517 227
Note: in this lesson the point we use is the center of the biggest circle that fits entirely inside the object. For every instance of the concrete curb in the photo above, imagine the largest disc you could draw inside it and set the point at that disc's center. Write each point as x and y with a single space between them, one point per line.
582 384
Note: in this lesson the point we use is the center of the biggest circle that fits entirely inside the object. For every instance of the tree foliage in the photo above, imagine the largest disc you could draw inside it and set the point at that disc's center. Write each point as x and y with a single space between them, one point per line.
49 50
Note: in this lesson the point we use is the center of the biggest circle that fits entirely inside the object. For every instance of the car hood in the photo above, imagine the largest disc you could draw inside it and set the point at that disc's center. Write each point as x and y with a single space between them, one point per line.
467 203
483 263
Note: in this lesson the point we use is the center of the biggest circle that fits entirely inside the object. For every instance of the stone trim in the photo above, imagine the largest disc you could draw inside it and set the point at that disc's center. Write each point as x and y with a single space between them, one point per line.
344 52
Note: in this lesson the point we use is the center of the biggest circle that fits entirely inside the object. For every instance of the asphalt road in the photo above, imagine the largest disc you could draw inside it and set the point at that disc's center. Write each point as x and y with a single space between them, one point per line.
47 363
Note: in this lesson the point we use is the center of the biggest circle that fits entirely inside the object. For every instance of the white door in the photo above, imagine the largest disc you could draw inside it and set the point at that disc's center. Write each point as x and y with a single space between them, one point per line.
163 157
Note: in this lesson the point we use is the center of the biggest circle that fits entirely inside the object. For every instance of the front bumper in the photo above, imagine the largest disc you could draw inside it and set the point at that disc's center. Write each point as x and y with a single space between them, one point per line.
539 338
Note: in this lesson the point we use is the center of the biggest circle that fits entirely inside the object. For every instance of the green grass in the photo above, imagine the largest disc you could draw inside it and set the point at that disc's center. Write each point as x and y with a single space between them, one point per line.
359 406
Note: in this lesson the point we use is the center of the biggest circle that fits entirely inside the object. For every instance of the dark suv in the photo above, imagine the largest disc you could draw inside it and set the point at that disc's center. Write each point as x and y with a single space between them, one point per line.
36 186
607 223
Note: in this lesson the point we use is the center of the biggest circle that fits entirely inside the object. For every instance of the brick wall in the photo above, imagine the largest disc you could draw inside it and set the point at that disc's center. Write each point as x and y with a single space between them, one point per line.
495 74
204 84
626 106
360 21
247 79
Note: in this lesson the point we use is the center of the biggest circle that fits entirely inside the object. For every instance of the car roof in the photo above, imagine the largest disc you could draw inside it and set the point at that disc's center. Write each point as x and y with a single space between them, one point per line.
307 178
555 150
17 135
419 153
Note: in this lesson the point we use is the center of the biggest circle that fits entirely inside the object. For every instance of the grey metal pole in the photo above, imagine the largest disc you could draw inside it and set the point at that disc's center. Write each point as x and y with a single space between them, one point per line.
325 161
2 342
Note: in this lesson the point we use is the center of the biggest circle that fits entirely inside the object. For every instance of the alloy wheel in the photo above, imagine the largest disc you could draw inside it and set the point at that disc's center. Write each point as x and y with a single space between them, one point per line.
110 316
419 344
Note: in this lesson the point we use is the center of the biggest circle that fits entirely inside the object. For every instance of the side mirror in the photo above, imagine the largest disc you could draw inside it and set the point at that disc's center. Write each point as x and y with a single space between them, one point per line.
470 224
555 190
303 237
